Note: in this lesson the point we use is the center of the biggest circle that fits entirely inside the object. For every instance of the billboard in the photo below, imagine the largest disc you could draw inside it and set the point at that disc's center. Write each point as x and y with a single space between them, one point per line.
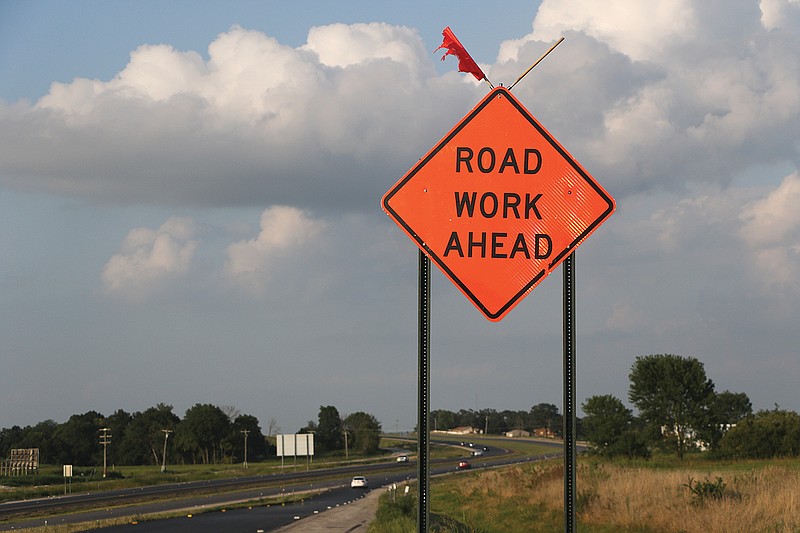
294 445
22 461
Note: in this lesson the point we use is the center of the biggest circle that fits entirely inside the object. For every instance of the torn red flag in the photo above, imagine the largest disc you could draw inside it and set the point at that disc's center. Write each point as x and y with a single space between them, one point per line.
465 61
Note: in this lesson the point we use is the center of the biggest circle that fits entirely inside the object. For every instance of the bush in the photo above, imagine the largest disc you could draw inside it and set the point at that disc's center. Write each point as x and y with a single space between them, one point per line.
764 435
705 490
396 513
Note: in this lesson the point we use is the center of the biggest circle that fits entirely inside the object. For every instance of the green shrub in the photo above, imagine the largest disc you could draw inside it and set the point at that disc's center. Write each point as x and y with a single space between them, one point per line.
763 435
396 513
703 491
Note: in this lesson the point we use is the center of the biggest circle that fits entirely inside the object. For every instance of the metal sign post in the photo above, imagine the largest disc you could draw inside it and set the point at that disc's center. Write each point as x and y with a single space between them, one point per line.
423 403
569 393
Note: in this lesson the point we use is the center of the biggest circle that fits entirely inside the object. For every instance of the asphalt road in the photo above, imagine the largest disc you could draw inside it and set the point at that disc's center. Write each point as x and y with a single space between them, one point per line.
322 497
143 500
250 520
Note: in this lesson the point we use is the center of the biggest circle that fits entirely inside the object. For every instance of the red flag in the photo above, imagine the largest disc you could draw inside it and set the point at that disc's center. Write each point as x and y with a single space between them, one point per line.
465 61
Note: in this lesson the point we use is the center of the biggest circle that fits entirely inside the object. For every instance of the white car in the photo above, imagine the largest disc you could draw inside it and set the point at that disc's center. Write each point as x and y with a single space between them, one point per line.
402 458
477 452
359 482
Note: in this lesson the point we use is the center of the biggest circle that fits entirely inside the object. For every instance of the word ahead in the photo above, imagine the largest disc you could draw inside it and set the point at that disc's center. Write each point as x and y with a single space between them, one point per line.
497 204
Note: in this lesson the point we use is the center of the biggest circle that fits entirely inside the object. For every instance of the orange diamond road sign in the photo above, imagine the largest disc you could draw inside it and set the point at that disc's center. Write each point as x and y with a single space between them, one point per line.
497 204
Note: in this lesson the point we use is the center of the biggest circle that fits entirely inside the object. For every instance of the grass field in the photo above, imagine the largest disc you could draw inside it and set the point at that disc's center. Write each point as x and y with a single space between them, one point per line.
660 496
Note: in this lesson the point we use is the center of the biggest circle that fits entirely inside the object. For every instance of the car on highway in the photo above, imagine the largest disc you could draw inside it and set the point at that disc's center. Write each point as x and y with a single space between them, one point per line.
477 452
402 458
359 482
462 465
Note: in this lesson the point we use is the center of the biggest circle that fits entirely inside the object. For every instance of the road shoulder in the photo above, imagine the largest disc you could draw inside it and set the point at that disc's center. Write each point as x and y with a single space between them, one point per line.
354 516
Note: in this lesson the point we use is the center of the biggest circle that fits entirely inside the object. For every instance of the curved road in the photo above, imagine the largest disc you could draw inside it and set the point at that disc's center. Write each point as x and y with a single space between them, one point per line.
323 495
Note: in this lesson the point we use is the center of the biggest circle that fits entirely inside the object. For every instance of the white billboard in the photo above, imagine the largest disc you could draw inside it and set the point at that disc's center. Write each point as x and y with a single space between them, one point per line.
295 445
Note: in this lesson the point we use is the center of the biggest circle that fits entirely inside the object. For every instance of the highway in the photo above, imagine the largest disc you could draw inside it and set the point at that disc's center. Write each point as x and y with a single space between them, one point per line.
325 487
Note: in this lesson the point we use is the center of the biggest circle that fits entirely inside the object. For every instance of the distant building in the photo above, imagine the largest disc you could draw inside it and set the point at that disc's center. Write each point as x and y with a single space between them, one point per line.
544 433
692 440
463 430
517 433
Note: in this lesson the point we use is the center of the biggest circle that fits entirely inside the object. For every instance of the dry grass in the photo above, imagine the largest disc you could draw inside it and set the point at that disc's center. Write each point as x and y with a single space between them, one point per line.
760 497
765 500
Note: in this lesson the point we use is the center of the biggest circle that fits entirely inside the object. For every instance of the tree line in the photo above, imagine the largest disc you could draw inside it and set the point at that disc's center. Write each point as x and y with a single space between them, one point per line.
207 434
491 421
358 432
680 411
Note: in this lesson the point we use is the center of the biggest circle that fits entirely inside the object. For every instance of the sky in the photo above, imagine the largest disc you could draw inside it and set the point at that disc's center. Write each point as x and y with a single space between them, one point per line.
190 202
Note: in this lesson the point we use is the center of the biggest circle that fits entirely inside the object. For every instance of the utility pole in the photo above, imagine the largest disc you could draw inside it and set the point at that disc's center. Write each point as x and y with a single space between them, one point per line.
105 440
245 432
346 451
164 458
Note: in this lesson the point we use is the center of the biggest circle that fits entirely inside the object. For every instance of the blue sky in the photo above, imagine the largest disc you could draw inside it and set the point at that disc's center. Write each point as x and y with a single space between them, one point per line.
190 202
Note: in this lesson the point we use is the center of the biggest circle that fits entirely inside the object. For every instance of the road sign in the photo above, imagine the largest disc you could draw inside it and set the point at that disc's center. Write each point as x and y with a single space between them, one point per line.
497 204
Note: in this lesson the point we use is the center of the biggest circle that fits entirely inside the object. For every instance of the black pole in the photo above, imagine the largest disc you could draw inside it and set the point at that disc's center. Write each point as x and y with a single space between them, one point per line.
424 391
569 394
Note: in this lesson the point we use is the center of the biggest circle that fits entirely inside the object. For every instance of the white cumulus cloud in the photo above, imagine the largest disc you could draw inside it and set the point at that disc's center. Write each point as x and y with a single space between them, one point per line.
771 229
775 218
658 95
284 233
257 122
150 258
780 14
650 96
640 30
342 45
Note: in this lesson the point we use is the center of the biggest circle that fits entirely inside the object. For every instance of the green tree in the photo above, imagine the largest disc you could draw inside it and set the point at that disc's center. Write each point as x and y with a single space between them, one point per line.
256 443
9 439
444 419
468 417
143 441
729 407
726 409
515 420
202 433
492 421
546 415
764 435
78 439
41 436
673 396
118 424
364 432
610 428
310 427
329 436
